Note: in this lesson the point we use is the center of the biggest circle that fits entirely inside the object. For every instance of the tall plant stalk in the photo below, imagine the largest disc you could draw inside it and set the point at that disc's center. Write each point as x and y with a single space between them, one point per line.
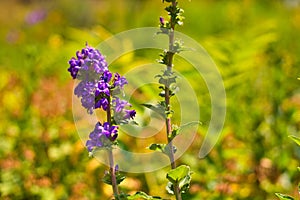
174 12
168 106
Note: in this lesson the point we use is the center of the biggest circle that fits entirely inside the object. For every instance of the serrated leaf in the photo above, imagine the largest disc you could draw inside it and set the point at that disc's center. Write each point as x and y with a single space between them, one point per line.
178 174
156 108
296 139
142 195
284 197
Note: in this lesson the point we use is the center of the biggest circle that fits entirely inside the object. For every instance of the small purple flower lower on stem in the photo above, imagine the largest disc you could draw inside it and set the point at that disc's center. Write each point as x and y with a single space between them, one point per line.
102 136
121 114
130 114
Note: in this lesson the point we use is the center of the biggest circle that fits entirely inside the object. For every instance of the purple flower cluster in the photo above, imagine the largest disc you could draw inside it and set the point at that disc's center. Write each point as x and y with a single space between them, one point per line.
88 64
97 82
98 88
102 136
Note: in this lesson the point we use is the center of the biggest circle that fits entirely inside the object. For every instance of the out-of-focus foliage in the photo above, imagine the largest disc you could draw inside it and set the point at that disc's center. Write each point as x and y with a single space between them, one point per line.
255 44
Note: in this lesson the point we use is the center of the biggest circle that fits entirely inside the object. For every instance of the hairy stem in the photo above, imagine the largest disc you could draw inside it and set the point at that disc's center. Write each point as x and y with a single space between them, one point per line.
111 157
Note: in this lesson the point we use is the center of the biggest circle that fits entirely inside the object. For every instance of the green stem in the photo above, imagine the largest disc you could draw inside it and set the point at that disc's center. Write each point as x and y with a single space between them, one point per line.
167 101
111 157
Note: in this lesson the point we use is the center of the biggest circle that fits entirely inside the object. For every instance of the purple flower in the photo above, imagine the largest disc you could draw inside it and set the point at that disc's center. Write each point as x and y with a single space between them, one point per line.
102 103
102 89
119 104
102 136
130 114
121 114
75 66
88 64
106 77
98 84
86 91
119 81
162 20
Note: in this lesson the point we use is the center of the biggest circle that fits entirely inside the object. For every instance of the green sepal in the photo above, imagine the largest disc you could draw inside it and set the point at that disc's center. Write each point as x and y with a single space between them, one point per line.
284 197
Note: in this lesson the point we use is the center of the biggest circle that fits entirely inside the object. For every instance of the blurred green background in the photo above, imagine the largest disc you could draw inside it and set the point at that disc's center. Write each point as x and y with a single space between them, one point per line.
255 44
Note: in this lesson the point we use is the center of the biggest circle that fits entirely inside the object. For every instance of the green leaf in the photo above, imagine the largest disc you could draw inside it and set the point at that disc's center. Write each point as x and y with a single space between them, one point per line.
181 177
156 108
178 174
142 195
284 197
296 139
298 169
